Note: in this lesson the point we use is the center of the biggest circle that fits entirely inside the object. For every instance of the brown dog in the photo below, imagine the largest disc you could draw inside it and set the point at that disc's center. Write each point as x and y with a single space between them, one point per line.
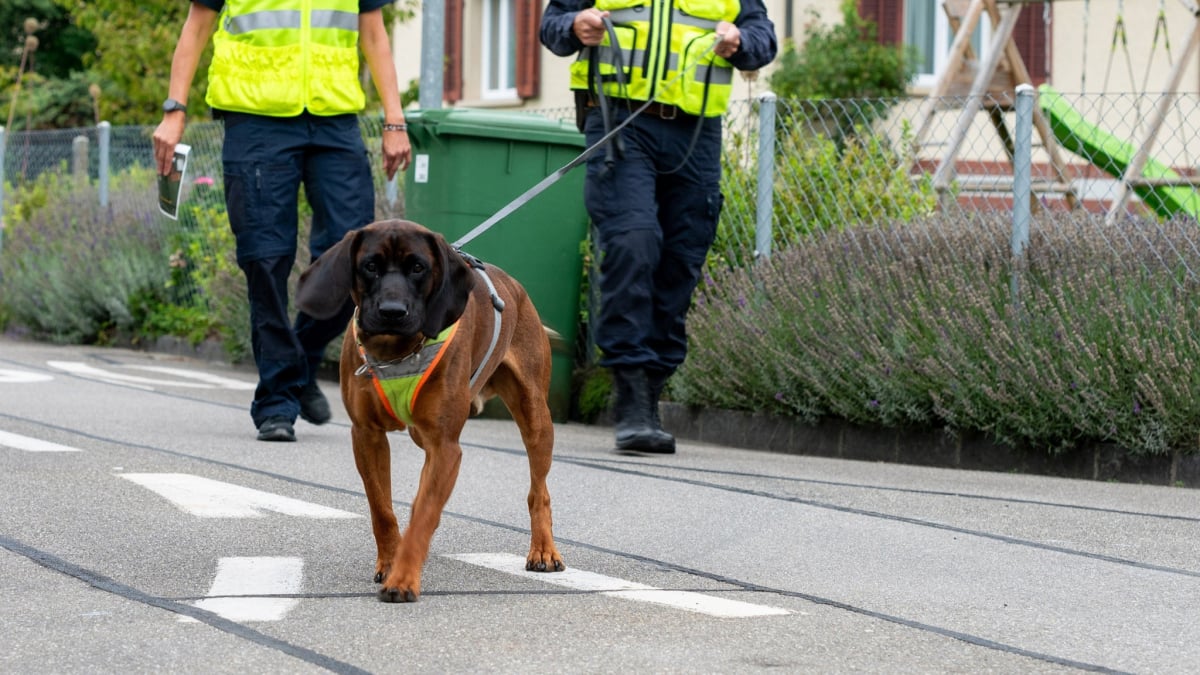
409 286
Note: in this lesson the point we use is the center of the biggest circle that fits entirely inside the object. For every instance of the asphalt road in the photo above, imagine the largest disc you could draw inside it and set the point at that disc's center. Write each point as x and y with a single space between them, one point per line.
143 529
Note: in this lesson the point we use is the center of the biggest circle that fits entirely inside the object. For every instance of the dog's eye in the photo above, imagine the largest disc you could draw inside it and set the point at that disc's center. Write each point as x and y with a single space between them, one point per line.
371 267
417 268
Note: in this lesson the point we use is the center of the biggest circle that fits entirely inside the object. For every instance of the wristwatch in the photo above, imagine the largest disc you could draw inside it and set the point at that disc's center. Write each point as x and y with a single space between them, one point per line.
171 105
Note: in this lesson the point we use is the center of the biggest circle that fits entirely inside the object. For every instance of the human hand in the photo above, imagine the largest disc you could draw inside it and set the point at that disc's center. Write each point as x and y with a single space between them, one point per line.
729 39
589 26
166 136
397 152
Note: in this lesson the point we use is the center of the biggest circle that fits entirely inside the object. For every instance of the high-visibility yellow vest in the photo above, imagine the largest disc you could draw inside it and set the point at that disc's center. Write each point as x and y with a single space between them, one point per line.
282 57
657 40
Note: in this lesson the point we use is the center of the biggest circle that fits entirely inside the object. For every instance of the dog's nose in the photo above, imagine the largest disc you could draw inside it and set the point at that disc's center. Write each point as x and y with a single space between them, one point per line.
393 311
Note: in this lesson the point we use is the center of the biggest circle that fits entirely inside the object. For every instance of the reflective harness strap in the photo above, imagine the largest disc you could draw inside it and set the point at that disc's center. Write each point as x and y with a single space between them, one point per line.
497 306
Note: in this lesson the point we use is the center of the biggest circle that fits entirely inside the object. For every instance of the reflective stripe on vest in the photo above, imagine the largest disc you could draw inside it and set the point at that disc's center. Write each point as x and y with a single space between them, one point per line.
656 41
282 57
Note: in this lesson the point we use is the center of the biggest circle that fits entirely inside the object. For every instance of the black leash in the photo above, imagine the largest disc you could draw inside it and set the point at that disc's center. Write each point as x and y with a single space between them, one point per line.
583 156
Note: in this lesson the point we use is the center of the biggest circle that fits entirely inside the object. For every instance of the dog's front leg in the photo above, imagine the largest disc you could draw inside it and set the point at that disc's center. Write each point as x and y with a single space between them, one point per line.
373 457
442 460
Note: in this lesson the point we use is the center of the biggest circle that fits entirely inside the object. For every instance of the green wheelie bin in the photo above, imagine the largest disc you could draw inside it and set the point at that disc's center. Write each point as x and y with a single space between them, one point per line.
469 164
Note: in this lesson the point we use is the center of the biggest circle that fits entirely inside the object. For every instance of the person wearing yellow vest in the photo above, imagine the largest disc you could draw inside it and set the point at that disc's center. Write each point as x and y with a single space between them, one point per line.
284 80
653 193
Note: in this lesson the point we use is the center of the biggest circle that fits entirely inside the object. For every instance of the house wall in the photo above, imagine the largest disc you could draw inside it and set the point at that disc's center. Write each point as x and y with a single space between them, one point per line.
554 89
1071 29
1082 59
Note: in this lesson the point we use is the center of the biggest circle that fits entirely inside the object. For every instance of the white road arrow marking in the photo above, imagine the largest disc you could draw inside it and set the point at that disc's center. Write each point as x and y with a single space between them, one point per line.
619 588
22 377
207 498
191 378
200 376
240 583
29 444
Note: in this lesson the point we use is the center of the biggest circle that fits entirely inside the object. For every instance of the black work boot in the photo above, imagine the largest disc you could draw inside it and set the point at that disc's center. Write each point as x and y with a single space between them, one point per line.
663 440
631 412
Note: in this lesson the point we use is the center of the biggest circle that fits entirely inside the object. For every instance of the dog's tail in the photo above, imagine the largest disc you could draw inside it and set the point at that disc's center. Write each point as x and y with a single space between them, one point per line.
558 344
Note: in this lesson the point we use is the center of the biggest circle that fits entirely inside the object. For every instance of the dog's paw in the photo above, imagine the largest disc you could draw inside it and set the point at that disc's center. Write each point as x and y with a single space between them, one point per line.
387 594
551 562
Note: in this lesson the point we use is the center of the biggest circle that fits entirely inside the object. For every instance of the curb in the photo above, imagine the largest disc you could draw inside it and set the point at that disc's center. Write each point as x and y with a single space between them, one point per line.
923 447
842 440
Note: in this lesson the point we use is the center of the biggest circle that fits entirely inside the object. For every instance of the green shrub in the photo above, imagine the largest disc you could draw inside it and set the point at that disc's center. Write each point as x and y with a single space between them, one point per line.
914 325
71 270
840 62
821 187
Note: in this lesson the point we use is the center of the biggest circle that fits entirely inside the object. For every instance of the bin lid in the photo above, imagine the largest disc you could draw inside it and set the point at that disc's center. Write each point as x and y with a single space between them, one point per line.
502 124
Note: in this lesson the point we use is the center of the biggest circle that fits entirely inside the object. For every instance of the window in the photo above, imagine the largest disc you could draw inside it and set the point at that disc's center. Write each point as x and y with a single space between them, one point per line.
509 50
928 30
498 69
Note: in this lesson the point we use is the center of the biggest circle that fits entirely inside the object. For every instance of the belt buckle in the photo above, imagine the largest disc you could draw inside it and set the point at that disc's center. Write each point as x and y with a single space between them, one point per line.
663 111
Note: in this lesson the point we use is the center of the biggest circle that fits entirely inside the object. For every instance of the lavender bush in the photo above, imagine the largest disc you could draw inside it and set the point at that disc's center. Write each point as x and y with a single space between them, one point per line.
72 272
917 325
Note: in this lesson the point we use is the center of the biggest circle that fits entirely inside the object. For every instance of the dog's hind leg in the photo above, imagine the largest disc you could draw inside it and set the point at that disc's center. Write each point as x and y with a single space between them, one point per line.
373 457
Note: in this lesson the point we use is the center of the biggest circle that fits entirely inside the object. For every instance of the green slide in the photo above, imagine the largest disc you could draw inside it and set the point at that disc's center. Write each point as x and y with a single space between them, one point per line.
1113 155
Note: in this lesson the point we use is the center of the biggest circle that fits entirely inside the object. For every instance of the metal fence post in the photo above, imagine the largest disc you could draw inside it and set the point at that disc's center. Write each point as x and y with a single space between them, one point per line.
79 159
1022 183
764 204
1 188
105 133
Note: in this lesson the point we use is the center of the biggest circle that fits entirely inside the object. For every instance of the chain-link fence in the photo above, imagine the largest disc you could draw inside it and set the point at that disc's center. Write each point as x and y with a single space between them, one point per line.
1120 168
832 164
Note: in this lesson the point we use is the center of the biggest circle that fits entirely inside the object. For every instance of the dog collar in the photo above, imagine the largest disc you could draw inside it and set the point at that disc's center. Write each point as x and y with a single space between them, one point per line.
398 382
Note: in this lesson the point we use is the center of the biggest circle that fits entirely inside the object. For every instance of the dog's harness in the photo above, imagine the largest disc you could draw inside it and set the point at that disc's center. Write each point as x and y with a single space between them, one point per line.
399 381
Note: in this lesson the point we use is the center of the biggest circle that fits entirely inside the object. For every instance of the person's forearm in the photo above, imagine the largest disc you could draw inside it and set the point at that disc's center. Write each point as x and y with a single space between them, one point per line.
377 49
759 44
197 30
555 33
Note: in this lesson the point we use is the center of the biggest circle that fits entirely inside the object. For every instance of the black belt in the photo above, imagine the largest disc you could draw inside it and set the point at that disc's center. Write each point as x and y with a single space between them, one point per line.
662 111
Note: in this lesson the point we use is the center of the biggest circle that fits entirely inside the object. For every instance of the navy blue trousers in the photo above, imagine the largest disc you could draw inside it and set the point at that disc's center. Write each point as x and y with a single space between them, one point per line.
266 160
655 212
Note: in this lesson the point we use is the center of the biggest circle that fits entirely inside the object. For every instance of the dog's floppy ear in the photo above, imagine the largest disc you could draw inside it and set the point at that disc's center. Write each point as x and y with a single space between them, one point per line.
328 282
448 299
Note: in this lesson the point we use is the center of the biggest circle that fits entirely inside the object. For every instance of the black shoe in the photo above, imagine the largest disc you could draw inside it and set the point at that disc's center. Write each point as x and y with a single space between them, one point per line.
634 424
314 408
663 441
277 429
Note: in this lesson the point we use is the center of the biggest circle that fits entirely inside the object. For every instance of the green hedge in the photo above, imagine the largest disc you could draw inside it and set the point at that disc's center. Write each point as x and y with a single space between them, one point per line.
916 325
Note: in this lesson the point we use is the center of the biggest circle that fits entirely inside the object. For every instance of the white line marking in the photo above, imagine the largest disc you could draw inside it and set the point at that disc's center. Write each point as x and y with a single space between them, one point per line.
92 373
22 377
28 444
200 376
207 498
188 378
248 578
619 588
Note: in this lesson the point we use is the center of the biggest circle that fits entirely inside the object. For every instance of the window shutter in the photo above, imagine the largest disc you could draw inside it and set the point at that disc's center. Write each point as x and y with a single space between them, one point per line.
888 16
452 75
529 46
1030 37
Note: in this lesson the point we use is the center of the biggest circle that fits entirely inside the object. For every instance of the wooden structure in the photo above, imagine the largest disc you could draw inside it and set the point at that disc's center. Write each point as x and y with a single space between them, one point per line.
989 83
